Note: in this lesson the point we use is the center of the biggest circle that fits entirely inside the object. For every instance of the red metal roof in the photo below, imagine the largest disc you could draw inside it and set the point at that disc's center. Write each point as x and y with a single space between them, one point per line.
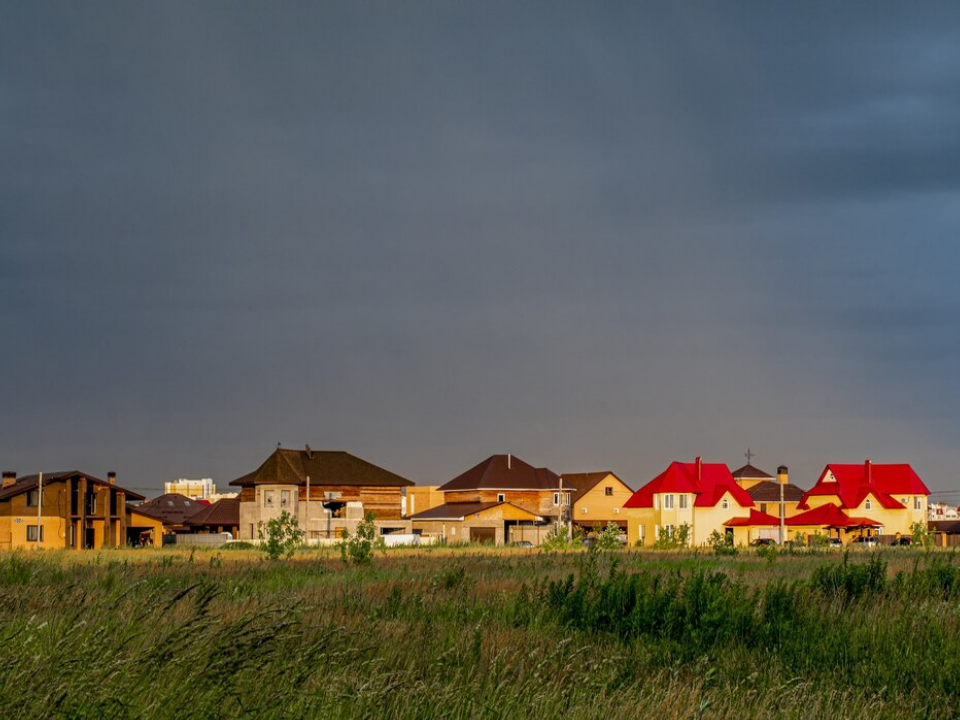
708 481
854 482
755 518
829 516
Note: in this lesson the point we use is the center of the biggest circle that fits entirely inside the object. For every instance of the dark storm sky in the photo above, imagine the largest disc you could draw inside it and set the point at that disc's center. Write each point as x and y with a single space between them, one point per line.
595 235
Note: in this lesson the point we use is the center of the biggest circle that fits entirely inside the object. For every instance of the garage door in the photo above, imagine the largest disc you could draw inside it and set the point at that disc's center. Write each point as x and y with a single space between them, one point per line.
483 535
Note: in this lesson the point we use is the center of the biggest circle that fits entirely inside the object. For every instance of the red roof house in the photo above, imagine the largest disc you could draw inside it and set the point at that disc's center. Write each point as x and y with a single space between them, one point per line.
708 481
852 483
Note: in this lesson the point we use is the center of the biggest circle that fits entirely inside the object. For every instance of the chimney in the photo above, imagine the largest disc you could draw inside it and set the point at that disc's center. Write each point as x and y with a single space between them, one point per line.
699 469
309 453
112 478
9 478
783 475
509 458
868 470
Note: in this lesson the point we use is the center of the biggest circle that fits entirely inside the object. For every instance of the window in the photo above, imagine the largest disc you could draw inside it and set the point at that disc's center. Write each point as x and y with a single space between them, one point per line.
668 502
763 507
501 497
268 499
284 498
32 533
608 491
32 498
917 504
683 502
556 498
868 504
725 504
73 536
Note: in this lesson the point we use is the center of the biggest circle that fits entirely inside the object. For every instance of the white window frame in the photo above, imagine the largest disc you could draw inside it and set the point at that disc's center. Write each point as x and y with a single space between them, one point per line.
683 501
868 505
917 503
668 502
501 497
725 504
268 498
556 499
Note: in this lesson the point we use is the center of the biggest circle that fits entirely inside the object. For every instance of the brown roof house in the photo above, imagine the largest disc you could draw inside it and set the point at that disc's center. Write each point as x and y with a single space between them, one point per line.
597 499
173 509
71 509
328 491
500 500
220 517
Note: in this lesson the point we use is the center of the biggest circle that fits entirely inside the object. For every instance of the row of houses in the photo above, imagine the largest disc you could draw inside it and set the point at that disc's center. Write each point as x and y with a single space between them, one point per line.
500 500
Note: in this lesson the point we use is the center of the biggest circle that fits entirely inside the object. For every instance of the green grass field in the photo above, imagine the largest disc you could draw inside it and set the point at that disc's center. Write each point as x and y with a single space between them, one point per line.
471 633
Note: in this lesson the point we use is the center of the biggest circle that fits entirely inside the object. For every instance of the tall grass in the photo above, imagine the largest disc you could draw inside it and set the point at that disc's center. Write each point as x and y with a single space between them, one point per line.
474 635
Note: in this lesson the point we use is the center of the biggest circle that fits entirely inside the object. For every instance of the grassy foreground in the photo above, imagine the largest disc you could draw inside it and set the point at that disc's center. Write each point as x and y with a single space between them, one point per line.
470 634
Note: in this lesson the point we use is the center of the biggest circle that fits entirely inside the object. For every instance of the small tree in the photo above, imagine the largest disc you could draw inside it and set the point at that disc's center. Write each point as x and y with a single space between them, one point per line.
359 548
921 535
280 537
560 538
721 544
609 537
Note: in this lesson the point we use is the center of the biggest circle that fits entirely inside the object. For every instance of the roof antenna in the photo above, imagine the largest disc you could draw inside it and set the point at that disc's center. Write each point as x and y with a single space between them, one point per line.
749 455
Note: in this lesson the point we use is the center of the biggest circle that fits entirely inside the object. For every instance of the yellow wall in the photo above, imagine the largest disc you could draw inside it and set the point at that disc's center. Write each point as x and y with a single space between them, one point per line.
596 507
894 521
422 498
647 522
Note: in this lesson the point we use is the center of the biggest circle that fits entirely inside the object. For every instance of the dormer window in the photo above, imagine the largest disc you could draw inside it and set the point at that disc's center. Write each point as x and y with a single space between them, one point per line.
725 504
868 504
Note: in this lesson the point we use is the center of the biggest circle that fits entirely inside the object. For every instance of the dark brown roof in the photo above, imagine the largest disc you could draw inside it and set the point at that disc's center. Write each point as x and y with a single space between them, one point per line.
504 472
749 472
172 508
768 491
323 467
582 483
950 527
29 482
459 510
223 513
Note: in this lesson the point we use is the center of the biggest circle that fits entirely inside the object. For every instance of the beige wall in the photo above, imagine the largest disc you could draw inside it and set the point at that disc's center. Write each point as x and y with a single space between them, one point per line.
596 507
648 522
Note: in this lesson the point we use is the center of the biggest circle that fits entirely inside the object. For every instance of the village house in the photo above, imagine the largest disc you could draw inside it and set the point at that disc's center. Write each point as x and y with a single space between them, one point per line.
328 492
699 495
75 509
223 516
597 498
500 500
173 510
764 522
892 497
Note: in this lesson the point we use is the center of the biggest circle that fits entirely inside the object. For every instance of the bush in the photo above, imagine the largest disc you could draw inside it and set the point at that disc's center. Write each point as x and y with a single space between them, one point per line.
673 539
721 544
609 537
359 548
280 537
921 535
560 538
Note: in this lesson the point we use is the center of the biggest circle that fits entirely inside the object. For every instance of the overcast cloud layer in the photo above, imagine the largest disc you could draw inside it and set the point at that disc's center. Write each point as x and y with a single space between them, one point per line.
595 235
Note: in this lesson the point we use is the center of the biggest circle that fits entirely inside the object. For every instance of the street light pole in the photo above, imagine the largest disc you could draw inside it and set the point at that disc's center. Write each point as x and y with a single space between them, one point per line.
39 509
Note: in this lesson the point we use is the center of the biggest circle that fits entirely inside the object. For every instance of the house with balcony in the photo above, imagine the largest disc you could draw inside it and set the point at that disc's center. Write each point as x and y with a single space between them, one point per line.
327 491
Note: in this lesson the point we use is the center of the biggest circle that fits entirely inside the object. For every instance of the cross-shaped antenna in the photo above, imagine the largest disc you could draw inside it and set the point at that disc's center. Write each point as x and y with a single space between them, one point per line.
748 454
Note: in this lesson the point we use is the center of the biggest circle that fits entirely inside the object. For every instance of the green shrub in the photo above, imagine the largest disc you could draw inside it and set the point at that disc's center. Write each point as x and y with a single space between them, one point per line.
359 548
280 537
721 544
672 539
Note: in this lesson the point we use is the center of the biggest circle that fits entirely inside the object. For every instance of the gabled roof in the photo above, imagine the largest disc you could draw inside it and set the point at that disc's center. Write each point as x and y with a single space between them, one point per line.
709 481
768 491
29 482
749 472
829 516
323 467
503 472
172 508
458 511
853 483
755 519
582 483
223 513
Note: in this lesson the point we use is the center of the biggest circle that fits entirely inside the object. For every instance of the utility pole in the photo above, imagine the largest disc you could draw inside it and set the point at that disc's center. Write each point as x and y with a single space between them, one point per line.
39 508
306 519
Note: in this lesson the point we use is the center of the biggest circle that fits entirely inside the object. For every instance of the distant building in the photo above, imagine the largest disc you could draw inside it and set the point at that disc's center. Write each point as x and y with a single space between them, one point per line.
941 511
203 489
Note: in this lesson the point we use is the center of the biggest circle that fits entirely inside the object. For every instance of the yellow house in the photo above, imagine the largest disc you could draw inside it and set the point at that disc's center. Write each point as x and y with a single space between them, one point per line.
494 523
597 498
421 498
69 510
893 496
700 495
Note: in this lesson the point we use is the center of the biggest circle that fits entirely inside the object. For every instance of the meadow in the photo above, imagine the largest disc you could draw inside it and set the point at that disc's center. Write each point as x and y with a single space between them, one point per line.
477 633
